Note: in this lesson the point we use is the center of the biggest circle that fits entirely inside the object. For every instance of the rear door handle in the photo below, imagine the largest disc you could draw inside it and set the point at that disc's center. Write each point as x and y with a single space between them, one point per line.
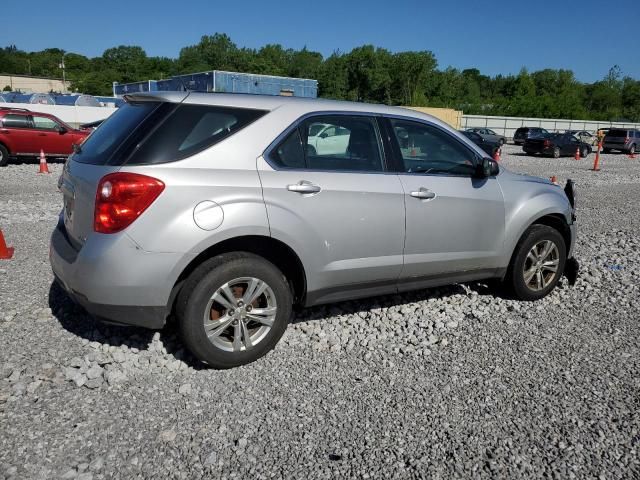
304 187
423 194
42 134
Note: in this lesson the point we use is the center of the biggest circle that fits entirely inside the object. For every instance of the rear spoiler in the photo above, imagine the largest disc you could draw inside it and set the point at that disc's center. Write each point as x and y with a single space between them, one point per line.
172 97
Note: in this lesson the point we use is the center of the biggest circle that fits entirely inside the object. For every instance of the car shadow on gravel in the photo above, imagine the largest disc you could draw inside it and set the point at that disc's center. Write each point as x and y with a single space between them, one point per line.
75 319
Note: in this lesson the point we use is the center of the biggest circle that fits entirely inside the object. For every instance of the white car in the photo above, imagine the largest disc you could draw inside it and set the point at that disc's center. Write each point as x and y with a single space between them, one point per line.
327 139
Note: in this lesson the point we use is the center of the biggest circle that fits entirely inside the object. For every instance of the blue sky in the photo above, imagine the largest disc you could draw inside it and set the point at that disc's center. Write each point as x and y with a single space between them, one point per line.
495 37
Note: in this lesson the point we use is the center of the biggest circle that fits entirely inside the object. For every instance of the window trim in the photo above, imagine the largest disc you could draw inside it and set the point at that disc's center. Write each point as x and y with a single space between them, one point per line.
374 117
398 162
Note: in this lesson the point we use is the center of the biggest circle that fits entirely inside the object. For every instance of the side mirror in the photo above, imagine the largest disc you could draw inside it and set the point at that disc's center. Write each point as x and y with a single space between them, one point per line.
61 130
324 135
488 168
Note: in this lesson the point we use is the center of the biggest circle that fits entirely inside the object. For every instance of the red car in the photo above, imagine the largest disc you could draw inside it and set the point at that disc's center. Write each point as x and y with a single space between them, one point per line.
25 133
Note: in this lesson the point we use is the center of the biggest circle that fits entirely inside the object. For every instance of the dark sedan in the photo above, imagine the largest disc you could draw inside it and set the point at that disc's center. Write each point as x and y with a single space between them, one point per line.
488 134
556 145
485 144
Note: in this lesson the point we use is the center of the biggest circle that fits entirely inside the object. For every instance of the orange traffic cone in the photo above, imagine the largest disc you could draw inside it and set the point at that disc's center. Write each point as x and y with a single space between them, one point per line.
5 252
577 155
554 179
44 168
496 155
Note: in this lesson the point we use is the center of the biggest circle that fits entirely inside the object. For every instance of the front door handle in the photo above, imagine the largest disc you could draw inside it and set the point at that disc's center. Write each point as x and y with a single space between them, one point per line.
304 187
423 194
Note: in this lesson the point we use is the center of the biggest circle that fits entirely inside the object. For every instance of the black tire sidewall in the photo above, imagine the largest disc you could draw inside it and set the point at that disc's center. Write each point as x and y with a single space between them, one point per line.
556 152
533 235
4 156
200 287
584 152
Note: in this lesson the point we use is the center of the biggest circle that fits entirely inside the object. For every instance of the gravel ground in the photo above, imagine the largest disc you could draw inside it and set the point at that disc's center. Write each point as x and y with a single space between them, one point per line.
441 383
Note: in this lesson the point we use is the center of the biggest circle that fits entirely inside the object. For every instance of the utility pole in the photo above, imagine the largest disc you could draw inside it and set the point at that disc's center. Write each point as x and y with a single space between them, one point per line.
64 78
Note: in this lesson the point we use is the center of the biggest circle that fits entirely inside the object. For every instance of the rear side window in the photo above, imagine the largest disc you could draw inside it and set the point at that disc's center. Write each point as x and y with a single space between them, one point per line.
16 121
290 153
154 132
190 129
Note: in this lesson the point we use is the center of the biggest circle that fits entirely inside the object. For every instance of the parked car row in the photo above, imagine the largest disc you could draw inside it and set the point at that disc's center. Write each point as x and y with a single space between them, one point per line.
24 133
537 140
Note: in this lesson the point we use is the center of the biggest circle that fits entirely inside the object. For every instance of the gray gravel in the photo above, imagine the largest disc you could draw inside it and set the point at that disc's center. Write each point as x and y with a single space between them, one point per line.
449 382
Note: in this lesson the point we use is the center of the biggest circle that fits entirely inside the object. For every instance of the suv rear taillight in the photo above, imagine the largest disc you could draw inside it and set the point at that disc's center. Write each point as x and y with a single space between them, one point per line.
121 198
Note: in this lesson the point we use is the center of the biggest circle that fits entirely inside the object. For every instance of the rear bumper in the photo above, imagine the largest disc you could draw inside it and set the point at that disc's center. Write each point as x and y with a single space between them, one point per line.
113 279
542 151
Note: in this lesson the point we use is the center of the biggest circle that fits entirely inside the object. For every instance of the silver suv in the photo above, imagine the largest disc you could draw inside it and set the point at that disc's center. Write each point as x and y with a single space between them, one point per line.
216 207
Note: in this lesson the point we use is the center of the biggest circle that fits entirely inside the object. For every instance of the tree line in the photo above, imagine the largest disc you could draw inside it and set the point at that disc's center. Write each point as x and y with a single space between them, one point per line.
366 73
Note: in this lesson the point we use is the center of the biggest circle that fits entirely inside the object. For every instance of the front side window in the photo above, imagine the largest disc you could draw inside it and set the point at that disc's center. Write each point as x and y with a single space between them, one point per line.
427 149
15 121
44 123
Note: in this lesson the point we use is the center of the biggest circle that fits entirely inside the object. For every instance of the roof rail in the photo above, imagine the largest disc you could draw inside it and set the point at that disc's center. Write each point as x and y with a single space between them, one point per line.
16 109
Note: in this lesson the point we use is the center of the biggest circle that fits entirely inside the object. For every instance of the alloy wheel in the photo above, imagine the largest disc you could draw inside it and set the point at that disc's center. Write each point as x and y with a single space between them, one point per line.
240 314
541 265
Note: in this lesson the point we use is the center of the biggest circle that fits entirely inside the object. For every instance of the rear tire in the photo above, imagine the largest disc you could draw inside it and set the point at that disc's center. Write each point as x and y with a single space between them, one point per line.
4 156
556 152
584 152
531 273
226 337
632 149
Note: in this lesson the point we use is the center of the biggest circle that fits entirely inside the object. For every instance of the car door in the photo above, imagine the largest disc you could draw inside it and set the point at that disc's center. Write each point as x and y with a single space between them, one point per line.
17 130
570 144
342 212
454 220
50 136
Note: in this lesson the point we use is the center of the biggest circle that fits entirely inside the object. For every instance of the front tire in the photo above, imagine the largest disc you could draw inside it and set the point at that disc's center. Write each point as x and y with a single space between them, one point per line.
632 149
556 152
233 309
537 263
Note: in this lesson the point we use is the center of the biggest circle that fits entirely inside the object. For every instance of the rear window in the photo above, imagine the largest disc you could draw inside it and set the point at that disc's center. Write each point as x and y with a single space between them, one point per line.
617 133
151 132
